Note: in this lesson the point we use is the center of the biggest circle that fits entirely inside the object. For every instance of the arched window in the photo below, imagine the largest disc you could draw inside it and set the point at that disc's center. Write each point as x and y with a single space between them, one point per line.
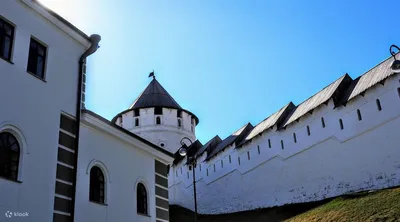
341 124
141 195
96 192
308 130
137 122
359 115
294 138
9 155
378 105
179 123
158 120
323 122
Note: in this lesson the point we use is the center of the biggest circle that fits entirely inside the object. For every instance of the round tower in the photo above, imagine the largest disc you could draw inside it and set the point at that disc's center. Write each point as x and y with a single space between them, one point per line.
157 117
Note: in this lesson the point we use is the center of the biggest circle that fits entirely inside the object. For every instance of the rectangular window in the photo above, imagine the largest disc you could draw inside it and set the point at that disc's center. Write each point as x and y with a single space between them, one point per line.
214 167
222 164
230 159
308 130
6 39
269 143
200 167
37 59
258 148
207 171
136 112
187 174
294 138
190 167
248 155
179 114
282 145
239 160
158 111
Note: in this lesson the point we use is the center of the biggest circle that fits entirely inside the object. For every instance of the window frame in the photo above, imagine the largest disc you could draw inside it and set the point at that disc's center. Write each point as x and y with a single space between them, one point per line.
100 199
37 54
5 21
145 199
10 160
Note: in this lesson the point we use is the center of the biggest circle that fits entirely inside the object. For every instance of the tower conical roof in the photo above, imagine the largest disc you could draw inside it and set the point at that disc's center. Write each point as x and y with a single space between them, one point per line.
155 96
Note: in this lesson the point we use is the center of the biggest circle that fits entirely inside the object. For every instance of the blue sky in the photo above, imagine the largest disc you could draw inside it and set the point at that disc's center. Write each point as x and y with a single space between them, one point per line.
228 61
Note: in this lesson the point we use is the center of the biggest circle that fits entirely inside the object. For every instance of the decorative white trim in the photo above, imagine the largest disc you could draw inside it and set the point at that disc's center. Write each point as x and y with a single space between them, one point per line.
148 190
64 182
162 208
165 188
107 180
61 213
161 176
93 122
62 197
102 166
23 145
68 133
66 148
66 165
162 198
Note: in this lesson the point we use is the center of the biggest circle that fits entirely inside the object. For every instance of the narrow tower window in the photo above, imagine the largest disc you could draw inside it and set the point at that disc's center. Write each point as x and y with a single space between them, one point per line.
230 160
308 130
239 160
137 122
207 171
341 124
294 138
323 122
378 105
179 123
269 143
258 149
136 112
158 111
222 164
179 114
282 145
359 115
214 167
248 155
158 120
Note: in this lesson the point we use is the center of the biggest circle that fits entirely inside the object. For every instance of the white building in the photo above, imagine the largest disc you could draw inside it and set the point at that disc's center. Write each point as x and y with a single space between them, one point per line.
60 162
115 176
343 139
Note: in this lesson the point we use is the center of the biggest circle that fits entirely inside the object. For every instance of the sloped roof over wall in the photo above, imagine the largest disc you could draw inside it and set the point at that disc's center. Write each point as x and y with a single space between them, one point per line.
268 122
236 137
371 78
317 99
209 146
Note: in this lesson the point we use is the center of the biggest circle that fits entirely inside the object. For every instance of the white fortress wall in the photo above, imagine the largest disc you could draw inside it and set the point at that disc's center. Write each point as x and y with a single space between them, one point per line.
330 161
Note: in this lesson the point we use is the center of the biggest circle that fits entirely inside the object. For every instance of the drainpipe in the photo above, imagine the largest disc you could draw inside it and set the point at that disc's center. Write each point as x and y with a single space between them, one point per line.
94 39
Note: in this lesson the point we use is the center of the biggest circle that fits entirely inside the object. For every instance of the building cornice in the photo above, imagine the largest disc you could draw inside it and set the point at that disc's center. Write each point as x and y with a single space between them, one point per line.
98 124
58 21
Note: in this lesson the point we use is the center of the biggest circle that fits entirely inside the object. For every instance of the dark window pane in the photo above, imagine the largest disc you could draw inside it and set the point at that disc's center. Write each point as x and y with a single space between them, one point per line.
96 190
37 59
9 155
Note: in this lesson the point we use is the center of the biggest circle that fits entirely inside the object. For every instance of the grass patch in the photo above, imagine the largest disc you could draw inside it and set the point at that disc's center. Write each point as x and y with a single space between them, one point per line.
378 206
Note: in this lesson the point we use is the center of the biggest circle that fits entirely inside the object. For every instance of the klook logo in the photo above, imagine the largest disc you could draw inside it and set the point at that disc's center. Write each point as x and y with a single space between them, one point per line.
10 214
